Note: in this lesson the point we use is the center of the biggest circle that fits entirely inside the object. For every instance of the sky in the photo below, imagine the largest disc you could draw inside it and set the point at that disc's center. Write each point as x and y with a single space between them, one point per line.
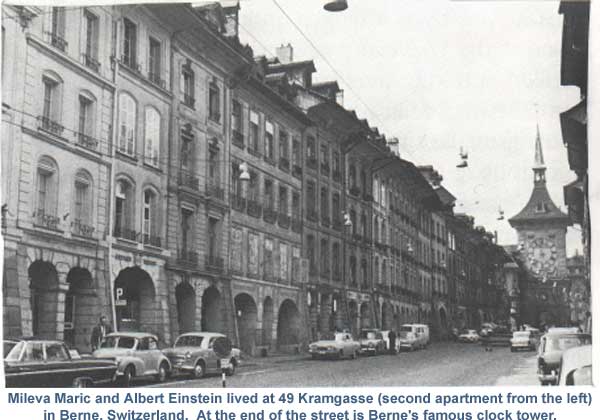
441 75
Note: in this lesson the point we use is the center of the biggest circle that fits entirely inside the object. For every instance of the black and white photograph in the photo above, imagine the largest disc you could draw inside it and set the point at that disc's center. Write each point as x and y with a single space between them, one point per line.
280 193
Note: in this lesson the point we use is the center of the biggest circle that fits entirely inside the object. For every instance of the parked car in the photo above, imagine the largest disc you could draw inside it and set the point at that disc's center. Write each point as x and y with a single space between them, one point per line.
339 344
386 338
198 353
576 366
528 340
49 363
552 345
137 355
487 329
469 336
414 336
371 342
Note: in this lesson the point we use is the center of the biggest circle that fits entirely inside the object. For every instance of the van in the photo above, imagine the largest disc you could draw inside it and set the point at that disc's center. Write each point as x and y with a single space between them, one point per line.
414 336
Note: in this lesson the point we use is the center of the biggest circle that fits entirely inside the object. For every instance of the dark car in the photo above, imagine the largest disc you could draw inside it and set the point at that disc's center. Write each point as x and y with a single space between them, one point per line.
552 345
371 342
49 363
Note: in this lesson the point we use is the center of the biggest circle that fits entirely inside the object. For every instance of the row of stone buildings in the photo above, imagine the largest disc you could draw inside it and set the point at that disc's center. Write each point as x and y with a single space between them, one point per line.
156 171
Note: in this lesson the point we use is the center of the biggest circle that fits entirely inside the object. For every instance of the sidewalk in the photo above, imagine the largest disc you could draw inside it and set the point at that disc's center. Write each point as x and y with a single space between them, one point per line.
273 359
525 373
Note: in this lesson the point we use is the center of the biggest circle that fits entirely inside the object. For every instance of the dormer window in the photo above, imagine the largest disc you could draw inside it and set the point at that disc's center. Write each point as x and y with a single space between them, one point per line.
541 208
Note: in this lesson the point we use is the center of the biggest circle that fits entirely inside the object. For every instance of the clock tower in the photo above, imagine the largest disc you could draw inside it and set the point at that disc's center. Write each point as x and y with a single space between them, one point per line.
541 228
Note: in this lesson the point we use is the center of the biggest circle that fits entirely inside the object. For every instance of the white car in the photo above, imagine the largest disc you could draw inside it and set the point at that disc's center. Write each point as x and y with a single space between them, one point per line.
137 355
337 345
576 366
469 336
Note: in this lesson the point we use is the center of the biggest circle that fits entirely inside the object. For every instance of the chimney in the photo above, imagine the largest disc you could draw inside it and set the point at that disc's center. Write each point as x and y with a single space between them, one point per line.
285 53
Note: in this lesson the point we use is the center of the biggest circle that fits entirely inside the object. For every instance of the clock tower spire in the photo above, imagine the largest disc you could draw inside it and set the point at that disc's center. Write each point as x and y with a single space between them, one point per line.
539 167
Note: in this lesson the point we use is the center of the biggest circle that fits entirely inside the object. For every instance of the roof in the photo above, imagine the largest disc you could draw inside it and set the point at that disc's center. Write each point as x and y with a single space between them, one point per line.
130 334
445 196
203 334
307 64
532 213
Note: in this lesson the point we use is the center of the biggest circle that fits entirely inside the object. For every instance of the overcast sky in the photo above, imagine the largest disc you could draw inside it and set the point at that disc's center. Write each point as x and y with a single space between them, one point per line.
439 75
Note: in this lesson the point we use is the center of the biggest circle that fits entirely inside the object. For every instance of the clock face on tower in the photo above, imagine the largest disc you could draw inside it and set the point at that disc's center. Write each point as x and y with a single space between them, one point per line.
541 255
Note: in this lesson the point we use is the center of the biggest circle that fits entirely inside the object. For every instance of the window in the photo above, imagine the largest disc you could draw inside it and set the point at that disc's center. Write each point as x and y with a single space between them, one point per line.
91 40
352 269
376 269
353 221
311 198
154 62
310 254
253 188
236 182
269 140
82 213
152 136
127 117
296 205
269 196
324 257
186 158
335 165
364 224
47 188
187 220
268 259
214 176
86 116
324 158
253 134
283 261
51 105
187 85
335 208
352 176
150 224
296 152
335 260
236 122
124 211
376 229
324 204
283 200
214 102
311 153
129 57
57 34
213 238
364 272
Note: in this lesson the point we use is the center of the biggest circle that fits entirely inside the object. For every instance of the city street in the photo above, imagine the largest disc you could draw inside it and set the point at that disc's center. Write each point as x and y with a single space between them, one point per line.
442 364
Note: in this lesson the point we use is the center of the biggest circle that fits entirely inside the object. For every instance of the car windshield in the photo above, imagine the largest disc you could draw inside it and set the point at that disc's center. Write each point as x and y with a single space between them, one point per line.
118 342
407 328
189 341
12 350
368 335
331 336
564 343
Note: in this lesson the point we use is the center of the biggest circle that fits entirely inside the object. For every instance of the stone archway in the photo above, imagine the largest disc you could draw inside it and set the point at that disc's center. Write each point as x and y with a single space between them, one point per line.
246 313
82 308
365 315
185 295
135 305
212 312
267 322
289 326
45 290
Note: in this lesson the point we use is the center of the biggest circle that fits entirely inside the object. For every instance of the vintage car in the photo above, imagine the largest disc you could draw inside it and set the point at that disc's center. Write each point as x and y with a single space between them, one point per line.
49 363
371 342
198 353
527 340
552 345
137 355
469 336
338 345
576 366
414 336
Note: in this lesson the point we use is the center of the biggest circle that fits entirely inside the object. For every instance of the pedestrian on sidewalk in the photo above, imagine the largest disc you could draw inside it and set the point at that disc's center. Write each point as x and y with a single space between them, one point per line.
99 332
392 340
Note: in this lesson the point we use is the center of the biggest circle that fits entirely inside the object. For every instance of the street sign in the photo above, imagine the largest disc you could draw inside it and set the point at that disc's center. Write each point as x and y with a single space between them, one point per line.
121 302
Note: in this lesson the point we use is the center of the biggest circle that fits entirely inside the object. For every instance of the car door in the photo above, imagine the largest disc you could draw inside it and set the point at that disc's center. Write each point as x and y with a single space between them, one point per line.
145 354
154 353
58 363
212 360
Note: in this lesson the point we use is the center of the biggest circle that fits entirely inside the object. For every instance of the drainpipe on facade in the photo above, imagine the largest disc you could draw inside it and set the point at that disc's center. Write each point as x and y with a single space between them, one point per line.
113 135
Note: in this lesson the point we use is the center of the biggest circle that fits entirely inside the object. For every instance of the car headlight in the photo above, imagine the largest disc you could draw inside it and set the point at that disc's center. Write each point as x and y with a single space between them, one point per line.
188 355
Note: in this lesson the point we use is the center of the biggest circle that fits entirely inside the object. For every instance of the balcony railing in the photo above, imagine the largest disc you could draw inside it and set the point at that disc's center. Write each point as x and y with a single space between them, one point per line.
253 208
91 62
188 100
238 202
187 257
297 171
81 229
156 79
283 220
311 162
189 180
311 214
237 138
57 41
46 124
152 240
87 141
214 263
355 191
284 164
269 214
125 233
296 224
46 220
214 191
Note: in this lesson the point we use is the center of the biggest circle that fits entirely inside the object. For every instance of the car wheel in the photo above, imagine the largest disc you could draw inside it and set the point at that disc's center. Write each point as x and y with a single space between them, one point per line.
128 375
163 372
198 371
231 370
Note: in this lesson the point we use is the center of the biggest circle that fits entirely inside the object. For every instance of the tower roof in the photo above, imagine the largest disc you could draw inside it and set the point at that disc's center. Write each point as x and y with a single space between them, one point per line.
539 154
